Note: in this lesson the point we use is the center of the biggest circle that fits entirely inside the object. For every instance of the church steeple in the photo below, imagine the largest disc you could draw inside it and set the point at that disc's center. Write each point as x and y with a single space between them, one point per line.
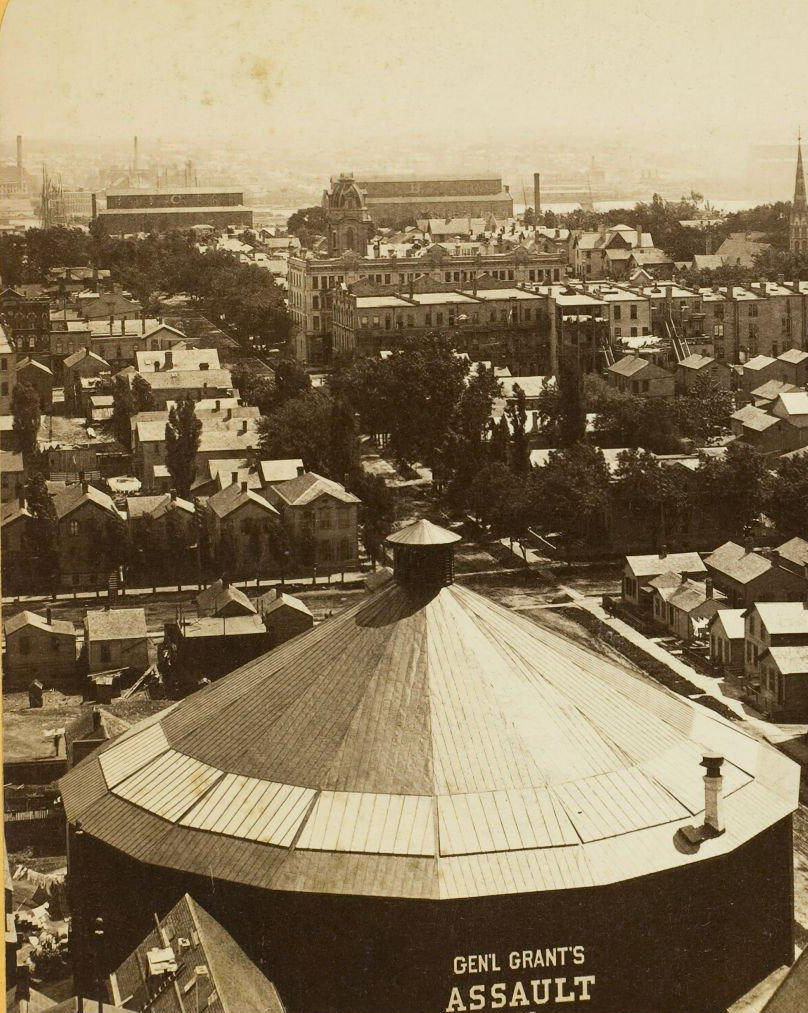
798 226
799 183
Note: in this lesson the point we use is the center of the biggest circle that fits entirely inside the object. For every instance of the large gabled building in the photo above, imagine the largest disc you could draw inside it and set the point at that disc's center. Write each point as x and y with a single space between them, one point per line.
132 211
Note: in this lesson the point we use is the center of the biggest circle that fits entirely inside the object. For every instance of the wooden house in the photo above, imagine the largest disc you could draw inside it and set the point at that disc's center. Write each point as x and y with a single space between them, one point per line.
116 639
39 648
222 598
726 629
284 615
745 576
322 513
639 571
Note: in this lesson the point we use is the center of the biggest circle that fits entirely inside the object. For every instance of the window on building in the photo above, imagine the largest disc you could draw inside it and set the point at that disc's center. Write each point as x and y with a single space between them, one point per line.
617 312
73 527
753 310
105 652
618 333
344 548
316 322
388 322
315 302
3 387
410 320
633 311
325 551
645 385
439 319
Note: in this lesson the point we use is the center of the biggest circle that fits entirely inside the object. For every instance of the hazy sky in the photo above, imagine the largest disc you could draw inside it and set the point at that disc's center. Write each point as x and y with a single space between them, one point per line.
315 74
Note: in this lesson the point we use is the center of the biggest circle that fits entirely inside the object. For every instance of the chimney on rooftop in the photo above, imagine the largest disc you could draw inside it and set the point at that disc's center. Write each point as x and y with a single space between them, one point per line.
59 743
169 358
713 785
96 719
639 237
143 322
217 406
48 615
229 415
244 485
708 587
123 324
235 478
244 425
748 544
663 551
173 495
301 470
537 193
111 322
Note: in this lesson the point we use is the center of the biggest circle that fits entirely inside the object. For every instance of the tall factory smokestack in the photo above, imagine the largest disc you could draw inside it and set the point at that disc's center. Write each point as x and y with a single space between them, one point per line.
537 192
134 161
19 161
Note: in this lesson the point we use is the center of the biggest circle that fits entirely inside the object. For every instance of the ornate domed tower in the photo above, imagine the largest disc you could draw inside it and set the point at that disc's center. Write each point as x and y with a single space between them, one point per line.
798 226
350 226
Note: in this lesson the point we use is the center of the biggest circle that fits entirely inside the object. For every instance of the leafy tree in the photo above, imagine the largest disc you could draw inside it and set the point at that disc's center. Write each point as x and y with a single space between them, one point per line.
572 495
735 489
42 534
650 503
255 389
572 407
182 442
27 415
517 416
307 224
624 420
467 446
142 395
421 384
300 427
291 380
343 452
492 491
376 513
788 499
366 385
499 445
123 408
705 411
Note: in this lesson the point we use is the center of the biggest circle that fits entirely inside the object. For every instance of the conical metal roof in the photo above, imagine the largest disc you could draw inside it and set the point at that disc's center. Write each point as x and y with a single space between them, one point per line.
425 743
423 532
